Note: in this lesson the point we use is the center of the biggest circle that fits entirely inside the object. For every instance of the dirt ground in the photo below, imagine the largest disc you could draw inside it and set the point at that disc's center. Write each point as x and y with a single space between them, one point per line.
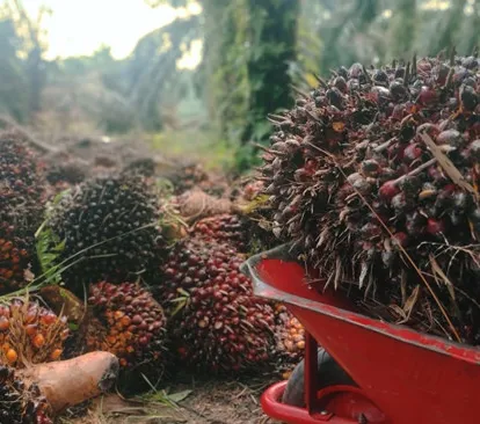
204 401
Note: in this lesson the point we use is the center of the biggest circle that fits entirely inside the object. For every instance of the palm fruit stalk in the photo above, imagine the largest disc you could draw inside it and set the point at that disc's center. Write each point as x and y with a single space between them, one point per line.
110 230
132 323
216 323
20 402
195 204
30 334
36 394
21 210
375 176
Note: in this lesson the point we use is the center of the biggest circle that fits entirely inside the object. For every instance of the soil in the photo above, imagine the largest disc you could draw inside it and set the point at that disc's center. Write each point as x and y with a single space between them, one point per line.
200 401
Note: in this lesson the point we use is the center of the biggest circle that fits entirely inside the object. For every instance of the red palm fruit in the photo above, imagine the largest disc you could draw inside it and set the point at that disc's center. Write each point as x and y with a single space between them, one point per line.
30 333
22 190
216 322
131 323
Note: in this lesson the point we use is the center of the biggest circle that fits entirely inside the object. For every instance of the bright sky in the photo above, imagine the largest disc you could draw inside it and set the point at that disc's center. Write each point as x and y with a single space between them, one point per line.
79 27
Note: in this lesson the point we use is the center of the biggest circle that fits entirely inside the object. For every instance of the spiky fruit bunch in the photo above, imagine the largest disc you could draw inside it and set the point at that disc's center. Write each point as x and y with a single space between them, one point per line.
225 228
217 324
21 195
109 224
289 334
134 322
30 334
20 402
378 164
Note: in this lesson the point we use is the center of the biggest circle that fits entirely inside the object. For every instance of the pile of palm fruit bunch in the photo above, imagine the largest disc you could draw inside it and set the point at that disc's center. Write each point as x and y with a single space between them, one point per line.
31 335
216 323
374 176
89 269
21 210
112 245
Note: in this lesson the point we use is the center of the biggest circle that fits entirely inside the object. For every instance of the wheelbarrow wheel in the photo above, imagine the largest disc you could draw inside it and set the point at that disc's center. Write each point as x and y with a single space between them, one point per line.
329 373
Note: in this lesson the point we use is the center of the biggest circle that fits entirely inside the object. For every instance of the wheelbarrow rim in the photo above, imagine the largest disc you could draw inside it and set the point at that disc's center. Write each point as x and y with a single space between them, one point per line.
289 252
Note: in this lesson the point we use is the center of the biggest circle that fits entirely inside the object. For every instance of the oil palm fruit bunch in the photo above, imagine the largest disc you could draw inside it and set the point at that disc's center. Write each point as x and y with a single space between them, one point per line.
20 402
375 176
30 334
64 175
290 336
246 233
193 175
133 324
109 228
216 323
224 228
188 176
21 209
145 166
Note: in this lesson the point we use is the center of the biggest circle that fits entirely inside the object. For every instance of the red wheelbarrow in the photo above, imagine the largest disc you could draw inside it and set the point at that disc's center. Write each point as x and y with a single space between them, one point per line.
370 371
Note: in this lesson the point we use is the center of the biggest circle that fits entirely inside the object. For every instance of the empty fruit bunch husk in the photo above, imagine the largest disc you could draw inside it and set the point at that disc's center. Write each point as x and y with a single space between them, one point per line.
375 175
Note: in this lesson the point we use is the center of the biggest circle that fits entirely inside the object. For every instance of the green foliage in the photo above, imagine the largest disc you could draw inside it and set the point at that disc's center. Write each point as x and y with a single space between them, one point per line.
195 144
49 249
249 48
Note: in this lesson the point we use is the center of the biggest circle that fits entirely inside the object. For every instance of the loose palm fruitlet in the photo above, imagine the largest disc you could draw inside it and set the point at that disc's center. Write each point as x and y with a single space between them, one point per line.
21 210
375 176
20 402
216 322
30 334
290 336
133 324
109 228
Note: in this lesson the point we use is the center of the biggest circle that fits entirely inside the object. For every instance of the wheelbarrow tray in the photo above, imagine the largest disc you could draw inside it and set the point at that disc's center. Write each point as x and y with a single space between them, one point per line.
412 377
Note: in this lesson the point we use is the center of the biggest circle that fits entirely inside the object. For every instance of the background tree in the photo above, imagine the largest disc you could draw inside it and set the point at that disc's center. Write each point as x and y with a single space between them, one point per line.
13 96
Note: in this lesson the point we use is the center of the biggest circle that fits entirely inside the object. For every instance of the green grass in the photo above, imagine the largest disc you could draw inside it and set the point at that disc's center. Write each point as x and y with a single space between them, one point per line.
197 145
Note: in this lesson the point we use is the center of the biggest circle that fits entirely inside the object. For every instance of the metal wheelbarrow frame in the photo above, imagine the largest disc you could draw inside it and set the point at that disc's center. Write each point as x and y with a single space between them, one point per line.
403 376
